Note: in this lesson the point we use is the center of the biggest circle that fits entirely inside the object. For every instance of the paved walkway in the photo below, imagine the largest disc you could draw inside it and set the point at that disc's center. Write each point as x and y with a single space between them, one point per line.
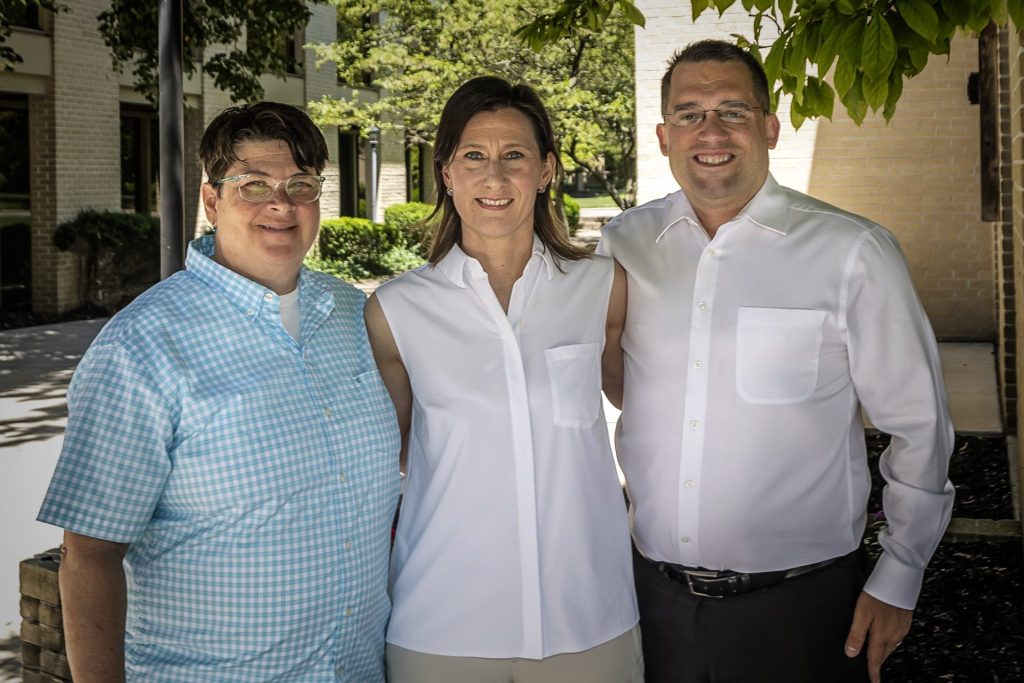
36 364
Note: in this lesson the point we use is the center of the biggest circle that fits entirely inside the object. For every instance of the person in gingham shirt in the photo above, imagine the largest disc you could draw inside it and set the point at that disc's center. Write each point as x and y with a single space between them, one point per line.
230 466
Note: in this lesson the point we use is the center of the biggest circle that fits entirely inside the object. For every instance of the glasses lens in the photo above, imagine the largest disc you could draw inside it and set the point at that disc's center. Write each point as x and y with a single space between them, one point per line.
253 190
304 189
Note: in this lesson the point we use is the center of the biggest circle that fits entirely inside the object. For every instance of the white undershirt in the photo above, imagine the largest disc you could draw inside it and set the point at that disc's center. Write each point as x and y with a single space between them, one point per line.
290 313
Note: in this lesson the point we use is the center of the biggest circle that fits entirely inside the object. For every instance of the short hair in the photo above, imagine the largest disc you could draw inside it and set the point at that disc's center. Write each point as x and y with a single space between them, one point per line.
261 122
718 51
489 94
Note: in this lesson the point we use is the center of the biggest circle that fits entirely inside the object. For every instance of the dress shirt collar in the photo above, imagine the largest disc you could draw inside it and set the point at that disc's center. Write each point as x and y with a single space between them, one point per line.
767 209
242 292
454 263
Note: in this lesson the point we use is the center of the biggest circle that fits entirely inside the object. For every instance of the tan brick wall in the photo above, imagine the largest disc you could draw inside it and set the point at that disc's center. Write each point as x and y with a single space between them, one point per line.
79 145
918 176
323 28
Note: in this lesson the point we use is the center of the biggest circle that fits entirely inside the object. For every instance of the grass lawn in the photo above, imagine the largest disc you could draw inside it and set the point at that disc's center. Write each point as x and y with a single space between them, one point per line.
602 202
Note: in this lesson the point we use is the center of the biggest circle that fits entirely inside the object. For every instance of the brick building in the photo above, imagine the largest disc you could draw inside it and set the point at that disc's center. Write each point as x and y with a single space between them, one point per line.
74 134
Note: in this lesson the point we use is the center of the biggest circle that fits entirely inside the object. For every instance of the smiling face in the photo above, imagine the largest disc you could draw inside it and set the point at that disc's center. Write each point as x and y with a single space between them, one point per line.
719 166
264 242
495 174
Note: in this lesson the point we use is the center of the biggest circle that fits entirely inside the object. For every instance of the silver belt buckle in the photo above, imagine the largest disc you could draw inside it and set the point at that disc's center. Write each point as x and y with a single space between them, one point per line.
691 573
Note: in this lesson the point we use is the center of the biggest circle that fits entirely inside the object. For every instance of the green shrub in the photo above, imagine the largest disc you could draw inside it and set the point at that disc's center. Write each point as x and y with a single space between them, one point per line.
408 219
354 248
120 254
572 213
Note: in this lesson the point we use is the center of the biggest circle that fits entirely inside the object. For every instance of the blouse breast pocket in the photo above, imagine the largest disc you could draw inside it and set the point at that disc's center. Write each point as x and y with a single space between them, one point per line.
777 352
575 374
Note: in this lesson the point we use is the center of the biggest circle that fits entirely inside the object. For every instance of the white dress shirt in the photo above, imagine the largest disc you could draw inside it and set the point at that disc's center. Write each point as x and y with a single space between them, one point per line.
748 358
513 539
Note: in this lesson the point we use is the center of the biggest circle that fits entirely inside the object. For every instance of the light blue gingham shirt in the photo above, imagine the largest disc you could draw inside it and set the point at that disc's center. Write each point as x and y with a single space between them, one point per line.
254 477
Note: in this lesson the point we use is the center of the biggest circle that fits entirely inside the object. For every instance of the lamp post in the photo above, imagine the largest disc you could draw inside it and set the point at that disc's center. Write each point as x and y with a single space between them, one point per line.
372 166
172 185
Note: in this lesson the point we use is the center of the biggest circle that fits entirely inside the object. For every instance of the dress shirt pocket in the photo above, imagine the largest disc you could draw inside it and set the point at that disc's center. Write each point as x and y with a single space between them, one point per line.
575 372
777 352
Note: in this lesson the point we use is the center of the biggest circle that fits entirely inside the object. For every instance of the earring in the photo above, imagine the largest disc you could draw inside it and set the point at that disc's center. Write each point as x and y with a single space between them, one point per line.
450 192
542 190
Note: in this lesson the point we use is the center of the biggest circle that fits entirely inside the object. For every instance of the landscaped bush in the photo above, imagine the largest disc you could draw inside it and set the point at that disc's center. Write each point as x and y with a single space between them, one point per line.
572 213
408 219
119 253
358 249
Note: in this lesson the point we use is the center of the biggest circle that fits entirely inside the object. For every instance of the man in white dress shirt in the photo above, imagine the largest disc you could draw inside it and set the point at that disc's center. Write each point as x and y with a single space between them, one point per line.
760 321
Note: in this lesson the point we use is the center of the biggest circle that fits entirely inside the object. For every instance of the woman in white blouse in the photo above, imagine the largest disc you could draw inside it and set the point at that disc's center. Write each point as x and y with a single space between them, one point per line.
512 558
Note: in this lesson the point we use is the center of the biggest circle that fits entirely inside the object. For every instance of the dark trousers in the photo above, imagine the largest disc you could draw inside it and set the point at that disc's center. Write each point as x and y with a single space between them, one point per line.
792 632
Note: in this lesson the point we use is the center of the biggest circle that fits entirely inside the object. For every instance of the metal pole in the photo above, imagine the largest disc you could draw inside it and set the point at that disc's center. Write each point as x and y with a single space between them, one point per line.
172 134
373 163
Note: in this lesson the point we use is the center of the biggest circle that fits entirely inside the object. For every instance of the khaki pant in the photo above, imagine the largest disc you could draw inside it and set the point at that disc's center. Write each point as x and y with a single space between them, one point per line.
617 661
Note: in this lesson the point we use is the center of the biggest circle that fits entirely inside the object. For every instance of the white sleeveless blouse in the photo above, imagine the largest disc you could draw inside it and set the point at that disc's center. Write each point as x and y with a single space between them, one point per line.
513 538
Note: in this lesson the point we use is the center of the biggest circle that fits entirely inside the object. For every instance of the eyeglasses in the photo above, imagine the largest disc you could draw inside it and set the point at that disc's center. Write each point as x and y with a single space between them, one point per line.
255 188
735 114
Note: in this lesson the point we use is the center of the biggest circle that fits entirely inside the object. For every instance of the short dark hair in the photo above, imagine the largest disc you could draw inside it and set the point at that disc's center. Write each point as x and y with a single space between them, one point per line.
718 51
488 94
261 122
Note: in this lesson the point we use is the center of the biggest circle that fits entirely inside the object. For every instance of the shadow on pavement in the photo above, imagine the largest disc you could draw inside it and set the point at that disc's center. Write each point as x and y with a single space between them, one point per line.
10 658
35 367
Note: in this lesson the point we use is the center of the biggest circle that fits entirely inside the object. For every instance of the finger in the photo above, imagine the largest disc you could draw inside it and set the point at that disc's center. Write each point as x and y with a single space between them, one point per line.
877 652
858 632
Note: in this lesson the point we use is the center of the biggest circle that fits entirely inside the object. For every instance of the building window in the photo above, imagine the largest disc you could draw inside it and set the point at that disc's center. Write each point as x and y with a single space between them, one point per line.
351 173
416 172
15 204
140 160
27 15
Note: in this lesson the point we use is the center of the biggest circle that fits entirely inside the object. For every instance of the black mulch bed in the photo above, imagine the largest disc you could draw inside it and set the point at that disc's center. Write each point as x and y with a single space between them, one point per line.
969 623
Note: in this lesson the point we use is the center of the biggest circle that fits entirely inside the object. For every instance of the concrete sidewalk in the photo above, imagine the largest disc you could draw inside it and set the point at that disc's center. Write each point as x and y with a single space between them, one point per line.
36 364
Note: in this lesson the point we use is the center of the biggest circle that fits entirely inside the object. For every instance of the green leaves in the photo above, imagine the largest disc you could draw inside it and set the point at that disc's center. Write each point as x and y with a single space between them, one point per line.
919 16
870 46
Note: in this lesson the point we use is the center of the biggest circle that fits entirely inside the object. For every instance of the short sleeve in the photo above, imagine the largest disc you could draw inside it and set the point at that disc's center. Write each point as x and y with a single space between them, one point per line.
114 462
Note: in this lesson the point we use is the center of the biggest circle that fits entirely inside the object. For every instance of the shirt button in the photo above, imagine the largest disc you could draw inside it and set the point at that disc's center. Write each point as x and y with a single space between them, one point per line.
342 477
702 306
268 297
348 611
694 424
685 539
327 412
339 671
251 312
712 252
688 484
698 364
348 545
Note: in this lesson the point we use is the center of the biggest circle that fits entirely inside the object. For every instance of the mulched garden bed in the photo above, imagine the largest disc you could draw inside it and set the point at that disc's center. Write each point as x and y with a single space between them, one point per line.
969 623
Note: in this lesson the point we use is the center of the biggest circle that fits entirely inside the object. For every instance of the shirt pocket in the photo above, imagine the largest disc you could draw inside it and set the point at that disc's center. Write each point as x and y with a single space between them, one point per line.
777 352
575 373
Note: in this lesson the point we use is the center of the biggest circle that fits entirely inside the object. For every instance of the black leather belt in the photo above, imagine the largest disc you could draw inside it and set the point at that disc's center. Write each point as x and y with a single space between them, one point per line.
706 583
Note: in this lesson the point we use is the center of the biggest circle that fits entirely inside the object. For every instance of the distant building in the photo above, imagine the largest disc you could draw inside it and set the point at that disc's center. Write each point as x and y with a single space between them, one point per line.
74 134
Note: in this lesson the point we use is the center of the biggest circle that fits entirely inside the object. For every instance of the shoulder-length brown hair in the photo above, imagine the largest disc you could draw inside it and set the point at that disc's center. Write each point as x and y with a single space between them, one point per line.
486 94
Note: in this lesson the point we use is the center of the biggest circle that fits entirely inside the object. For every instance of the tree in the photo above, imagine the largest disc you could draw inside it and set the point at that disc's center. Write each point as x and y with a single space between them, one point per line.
129 28
420 51
12 13
870 47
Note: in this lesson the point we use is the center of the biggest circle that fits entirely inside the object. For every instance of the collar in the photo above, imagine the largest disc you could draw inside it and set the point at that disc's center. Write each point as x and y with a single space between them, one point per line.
453 265
243 293
767 209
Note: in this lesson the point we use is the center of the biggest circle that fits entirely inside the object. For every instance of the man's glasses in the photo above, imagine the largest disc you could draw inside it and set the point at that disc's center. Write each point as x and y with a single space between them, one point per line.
736 114
255 188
